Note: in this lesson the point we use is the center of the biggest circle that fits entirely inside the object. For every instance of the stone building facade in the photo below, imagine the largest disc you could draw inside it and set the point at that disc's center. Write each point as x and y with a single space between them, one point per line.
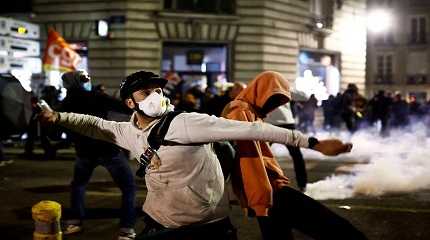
256 35
399 56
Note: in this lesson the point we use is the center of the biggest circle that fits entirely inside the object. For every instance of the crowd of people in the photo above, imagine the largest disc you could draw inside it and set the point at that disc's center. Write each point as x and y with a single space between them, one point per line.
390 111
178 196
260 187
348 109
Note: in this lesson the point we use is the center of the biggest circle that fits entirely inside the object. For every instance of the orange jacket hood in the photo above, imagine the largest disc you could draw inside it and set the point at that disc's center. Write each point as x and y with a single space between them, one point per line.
265 85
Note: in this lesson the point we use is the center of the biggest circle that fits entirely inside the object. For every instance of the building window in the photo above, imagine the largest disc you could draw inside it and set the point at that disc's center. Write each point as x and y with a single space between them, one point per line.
201 6
416 69
198 64
418 30
384 69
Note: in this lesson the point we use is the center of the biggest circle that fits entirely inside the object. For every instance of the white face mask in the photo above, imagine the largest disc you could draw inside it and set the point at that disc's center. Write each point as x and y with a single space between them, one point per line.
155 104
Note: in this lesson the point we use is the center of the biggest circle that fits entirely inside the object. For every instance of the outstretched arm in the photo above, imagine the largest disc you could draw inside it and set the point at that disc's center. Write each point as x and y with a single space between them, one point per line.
201 128
90 126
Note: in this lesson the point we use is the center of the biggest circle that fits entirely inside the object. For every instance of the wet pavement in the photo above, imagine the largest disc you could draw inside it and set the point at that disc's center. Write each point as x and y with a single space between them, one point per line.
28 181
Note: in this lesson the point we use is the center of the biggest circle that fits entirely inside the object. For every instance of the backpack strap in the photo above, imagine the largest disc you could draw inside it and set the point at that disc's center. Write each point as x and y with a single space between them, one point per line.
159 131
155 140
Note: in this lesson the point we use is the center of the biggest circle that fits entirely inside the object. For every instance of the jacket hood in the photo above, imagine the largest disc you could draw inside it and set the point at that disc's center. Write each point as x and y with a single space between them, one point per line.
265 85
72 79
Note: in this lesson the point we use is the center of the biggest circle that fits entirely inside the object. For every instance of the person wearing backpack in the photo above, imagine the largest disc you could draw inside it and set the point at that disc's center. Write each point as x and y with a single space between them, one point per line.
183 176
259 181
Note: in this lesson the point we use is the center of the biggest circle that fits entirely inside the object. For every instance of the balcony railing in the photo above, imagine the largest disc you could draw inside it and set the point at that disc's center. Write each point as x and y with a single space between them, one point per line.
400 39
417 79
380 41
383 79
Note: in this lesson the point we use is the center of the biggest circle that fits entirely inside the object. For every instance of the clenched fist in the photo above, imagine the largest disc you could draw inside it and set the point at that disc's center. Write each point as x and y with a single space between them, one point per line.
332 147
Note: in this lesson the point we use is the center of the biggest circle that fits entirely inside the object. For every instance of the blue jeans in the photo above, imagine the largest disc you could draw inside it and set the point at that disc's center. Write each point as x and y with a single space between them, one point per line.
121 174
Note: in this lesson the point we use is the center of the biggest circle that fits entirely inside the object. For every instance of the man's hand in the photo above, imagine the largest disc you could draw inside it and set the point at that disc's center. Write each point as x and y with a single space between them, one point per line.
332 147
47 117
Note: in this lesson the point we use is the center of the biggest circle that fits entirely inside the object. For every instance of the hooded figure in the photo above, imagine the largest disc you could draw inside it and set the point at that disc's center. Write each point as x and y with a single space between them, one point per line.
76 80
258 172
259 181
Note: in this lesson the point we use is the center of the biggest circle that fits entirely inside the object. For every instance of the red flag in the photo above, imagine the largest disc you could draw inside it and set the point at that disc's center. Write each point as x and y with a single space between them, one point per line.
58 54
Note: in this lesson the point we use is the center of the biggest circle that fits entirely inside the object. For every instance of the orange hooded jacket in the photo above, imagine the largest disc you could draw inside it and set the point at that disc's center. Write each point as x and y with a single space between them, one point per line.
257 173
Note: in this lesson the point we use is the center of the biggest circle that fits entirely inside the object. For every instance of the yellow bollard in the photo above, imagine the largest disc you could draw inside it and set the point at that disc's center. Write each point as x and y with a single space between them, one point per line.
46 216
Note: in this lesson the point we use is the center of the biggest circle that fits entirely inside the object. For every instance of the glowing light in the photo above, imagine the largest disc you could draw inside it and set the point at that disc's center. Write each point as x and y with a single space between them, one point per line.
24 136
63 136
379 21
22 30
102 28
319 25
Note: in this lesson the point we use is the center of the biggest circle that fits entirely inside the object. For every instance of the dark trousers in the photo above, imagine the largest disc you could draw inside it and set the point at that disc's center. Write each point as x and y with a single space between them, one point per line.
294 210
299 162
32 131
218 230
122 175
350 121
2 158
50 140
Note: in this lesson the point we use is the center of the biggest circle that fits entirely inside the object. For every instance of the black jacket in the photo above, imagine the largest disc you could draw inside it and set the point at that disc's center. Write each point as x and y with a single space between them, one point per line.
97 104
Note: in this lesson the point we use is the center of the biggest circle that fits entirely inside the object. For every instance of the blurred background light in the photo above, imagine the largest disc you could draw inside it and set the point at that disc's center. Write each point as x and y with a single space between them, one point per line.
379 20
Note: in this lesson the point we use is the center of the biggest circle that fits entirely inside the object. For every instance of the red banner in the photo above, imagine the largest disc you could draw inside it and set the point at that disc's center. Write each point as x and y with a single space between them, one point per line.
58 54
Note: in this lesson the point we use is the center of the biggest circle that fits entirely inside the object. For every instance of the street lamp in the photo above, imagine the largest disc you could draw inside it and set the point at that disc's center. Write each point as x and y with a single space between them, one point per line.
379 20
102 28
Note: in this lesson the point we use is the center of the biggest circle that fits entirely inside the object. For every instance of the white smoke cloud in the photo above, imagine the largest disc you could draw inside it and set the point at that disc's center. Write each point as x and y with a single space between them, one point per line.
398 163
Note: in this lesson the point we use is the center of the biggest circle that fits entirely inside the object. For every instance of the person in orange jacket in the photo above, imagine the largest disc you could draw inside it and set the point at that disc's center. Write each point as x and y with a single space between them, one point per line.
259 182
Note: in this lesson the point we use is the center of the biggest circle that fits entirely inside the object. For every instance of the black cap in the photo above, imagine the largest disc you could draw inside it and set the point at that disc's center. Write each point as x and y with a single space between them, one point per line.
140 80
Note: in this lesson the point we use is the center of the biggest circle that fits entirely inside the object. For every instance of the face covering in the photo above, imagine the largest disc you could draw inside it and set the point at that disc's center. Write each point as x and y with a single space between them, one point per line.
155 105
87 86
